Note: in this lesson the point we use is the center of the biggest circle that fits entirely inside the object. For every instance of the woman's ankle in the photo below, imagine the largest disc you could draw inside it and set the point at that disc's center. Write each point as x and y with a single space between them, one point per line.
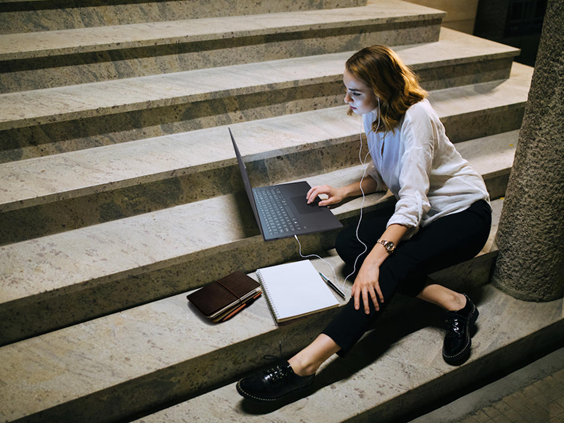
458 302
302 369
308 360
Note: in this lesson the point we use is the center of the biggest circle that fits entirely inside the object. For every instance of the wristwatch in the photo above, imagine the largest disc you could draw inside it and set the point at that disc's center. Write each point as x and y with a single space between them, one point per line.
388 245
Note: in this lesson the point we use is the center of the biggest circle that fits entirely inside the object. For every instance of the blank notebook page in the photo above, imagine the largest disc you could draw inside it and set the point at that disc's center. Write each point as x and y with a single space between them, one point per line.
295 289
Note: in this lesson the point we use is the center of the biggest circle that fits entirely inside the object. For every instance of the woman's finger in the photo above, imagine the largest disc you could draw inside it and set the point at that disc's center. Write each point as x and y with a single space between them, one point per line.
310 191
379 291
356 295
374 299
326 202
315 191
365 300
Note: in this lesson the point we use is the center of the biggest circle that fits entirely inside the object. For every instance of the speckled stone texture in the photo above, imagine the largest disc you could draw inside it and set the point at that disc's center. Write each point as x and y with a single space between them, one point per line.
74 118
127 181
105 268
81 68
531 236
120 195
108 267
394 370
50 15
473 116
61 58
136 260
165 351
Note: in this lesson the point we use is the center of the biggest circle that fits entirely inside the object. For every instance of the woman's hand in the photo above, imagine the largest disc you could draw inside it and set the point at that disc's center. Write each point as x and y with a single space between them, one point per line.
366 285
335 195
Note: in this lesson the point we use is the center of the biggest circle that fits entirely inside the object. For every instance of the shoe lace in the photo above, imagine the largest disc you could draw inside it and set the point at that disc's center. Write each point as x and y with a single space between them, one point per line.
455 324
279 372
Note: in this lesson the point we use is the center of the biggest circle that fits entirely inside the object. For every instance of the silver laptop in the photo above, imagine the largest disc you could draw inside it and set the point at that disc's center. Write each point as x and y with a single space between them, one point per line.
282 211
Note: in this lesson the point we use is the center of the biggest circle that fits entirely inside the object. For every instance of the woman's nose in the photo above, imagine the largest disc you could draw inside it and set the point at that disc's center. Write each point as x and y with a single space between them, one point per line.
347 97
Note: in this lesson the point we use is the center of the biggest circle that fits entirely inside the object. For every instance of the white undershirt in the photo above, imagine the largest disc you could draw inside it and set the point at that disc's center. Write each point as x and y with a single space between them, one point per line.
422 168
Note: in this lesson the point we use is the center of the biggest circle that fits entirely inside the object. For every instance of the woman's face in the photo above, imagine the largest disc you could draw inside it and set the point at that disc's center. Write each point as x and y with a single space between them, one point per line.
359 96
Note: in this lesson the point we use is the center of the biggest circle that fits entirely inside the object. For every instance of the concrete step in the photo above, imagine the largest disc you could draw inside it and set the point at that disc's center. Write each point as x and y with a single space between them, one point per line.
47 15
59 58
57 280
164 351
394 370
51 121
64 192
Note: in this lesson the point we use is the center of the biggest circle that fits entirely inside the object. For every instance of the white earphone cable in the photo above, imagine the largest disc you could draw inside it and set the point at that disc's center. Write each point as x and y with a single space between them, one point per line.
363 163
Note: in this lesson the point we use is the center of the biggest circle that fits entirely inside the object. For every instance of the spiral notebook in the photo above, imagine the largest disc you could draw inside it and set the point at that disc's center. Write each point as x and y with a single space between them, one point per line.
294 290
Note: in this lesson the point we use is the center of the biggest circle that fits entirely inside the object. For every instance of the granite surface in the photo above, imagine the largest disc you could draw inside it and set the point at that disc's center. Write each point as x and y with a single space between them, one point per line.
91 266
164 104
266 144
395 369
155 250
110 64
89 263
47 15
148 175
148 348
44 44
490 156
142 357
99 99
531 265
467 104
49 179
164 351
85 203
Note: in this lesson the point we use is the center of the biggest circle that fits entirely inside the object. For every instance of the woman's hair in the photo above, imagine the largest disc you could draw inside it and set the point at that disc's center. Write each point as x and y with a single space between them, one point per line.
396 86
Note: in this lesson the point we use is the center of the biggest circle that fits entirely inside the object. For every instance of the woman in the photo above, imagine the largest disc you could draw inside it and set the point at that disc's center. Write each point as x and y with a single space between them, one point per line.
442 217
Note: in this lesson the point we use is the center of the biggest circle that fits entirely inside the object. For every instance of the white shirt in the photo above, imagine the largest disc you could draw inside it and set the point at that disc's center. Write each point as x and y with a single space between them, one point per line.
422 168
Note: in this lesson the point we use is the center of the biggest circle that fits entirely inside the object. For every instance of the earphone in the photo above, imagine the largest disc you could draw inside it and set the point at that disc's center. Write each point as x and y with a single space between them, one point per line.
363 163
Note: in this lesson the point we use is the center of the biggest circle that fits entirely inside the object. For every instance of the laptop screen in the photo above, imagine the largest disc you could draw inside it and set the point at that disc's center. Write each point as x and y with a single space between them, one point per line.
246 180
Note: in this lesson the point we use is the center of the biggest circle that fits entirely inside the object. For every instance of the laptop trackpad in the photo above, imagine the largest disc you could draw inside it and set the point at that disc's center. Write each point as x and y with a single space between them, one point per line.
304 208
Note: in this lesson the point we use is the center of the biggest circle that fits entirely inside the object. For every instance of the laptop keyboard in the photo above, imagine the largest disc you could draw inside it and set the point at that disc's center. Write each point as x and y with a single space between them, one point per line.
276 215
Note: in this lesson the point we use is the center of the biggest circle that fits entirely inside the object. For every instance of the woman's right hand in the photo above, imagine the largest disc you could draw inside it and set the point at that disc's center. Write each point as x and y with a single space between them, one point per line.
334 195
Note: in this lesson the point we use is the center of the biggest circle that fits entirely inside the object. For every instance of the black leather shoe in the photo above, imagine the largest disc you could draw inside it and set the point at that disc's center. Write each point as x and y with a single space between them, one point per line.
272 384
458 339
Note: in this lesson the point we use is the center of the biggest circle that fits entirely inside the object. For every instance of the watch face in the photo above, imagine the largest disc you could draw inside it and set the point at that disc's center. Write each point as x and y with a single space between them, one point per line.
388 245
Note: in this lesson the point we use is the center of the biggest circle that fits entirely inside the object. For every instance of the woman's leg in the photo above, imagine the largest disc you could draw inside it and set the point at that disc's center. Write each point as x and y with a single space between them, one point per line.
448 241
296 374
308 360
460 317
457 238
443 297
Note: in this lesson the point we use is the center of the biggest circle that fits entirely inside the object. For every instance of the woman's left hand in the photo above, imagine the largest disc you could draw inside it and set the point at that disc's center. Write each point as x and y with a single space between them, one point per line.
366 285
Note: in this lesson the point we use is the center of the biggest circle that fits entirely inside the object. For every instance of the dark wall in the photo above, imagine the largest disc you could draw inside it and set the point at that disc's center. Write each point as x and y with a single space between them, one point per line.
517 23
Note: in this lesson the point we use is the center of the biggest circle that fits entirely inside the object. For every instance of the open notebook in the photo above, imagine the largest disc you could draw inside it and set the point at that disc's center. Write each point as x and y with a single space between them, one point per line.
294 290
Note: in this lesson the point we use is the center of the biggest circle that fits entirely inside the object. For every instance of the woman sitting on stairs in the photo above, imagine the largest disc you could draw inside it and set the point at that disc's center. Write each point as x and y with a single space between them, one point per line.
442 217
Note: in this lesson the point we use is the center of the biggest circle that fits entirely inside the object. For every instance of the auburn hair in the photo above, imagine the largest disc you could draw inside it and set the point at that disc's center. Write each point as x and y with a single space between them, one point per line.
396 86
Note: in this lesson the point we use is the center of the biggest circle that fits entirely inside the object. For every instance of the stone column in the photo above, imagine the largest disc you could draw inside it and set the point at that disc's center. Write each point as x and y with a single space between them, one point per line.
530 265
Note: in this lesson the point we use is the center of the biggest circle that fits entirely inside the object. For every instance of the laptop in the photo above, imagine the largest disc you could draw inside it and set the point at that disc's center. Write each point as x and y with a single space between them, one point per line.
281 211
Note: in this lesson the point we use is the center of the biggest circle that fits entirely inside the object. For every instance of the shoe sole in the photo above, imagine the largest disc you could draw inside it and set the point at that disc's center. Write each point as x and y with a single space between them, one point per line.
246 395
464 354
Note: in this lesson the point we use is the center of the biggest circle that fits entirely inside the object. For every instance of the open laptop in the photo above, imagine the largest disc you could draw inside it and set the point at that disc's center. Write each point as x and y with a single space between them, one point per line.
282 211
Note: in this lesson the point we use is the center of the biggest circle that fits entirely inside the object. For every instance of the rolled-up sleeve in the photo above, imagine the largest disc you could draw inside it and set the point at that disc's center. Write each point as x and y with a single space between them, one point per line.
373 172
416 160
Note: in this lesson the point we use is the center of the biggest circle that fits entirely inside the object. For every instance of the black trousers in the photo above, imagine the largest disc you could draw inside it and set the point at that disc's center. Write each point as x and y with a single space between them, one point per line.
445 242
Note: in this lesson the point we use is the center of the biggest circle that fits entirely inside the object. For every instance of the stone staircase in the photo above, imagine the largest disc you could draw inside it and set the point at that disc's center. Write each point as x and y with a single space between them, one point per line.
120 193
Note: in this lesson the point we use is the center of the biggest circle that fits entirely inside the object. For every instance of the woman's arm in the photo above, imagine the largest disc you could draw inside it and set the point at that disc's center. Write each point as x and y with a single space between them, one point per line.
336 195
366 284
